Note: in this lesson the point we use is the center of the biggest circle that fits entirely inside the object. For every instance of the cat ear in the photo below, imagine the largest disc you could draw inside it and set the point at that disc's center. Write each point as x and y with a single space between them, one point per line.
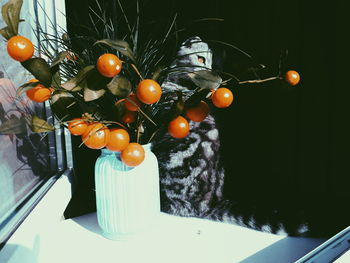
190 41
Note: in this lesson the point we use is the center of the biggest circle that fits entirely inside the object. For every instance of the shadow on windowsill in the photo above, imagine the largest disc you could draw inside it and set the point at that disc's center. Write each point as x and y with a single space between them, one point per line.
89 222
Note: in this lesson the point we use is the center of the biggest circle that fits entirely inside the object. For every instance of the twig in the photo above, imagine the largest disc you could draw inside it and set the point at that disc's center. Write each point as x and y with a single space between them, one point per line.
259 80
137 71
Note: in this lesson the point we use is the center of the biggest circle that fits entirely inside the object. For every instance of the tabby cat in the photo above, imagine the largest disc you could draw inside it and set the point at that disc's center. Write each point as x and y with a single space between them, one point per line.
191 171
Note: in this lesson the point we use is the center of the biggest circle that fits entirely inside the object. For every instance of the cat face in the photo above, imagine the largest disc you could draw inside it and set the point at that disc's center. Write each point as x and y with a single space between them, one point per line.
193 55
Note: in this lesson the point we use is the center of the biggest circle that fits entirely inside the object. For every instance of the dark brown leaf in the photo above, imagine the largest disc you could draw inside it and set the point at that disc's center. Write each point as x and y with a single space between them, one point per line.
90 94
13 125
119 109
79 81
59 58
177 108
6 33
95 86
39 125
119 45
65 106
40 69
2 113
206 79
25 87
197 97
119 86
56 77
10 13
156 74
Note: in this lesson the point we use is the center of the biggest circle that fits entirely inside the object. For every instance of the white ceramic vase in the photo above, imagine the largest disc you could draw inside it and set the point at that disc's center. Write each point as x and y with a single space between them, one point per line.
127 199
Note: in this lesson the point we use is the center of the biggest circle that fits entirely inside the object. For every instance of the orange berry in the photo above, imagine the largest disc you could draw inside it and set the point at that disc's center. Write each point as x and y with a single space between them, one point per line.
179 127
109 65
118 140
131 106
133 154
129 116
222 98
148 91
20 48
39 93
96 136
292 77
198 113
77 126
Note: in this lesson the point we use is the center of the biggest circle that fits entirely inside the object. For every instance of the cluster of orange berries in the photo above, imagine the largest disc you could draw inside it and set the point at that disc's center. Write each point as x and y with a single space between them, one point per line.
22 49
149 91
96 135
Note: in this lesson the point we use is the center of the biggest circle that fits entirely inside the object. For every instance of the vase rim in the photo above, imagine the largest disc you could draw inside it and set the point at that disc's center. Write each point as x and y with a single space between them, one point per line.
146 146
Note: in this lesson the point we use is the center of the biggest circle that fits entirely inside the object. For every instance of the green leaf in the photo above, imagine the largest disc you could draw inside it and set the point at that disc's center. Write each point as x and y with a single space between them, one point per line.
25 87
13 125
79 81
39 125
206 79
119 45
10 13
40 69
59 58
119 86
65 106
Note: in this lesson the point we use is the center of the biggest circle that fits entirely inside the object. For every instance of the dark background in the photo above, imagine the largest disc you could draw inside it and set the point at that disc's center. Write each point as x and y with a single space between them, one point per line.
282 146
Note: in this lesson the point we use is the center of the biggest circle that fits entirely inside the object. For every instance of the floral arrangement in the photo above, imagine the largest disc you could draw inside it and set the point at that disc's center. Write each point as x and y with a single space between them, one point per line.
107 91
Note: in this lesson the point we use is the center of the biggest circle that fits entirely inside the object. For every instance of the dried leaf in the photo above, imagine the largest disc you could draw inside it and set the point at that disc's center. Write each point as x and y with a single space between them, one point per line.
13 125
178 106
119 86
79 81
119 45
39 125
156 74
6 32
65 106
2 113
56 77
95 86
119 109
40 69
206 79
59 58
25 87
90 94
197 97
10 13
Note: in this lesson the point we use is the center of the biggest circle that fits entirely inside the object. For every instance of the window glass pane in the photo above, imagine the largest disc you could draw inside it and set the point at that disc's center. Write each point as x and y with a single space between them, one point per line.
27 159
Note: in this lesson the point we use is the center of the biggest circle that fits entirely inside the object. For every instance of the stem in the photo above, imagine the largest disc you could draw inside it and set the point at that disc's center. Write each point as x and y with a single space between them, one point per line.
137 71
259 80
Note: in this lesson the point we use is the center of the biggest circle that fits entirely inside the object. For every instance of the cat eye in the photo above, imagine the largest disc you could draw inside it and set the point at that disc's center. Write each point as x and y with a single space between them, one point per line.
201 59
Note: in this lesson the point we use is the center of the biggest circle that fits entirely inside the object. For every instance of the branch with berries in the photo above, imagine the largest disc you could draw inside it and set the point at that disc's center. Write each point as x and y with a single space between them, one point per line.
107 92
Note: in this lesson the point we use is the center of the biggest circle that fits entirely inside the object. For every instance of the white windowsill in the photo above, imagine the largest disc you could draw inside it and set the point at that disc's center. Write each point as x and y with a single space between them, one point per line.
44 237
24 246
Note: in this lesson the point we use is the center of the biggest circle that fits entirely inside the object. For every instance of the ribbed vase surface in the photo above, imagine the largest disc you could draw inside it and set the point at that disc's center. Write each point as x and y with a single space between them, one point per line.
127 199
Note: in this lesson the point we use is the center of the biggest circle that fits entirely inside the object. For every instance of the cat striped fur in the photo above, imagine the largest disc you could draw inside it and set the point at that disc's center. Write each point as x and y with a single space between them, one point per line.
191 170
